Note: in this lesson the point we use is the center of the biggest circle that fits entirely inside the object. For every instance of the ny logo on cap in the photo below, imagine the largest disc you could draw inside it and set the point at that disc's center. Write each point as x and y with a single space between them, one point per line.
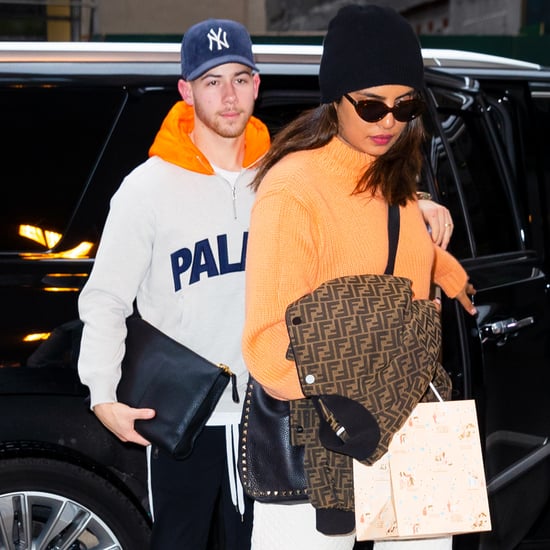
220 38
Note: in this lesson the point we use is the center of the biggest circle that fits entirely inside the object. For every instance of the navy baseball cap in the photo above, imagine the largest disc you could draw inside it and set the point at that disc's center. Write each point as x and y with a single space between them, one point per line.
214 42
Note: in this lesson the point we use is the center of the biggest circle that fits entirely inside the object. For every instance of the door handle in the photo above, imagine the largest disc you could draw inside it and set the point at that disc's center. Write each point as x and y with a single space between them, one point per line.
500 330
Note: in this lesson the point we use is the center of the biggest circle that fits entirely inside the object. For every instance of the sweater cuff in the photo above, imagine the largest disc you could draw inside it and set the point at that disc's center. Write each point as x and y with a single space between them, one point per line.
453 282
102 395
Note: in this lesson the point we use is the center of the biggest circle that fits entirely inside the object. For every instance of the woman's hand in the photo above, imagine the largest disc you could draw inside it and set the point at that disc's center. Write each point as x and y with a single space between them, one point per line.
439 219
464 298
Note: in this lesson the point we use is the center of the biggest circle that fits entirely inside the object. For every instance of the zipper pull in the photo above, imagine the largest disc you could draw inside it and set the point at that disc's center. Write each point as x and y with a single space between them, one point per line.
233 376
234 387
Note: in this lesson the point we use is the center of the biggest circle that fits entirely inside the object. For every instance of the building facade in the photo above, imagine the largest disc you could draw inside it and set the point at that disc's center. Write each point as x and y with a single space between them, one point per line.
97 19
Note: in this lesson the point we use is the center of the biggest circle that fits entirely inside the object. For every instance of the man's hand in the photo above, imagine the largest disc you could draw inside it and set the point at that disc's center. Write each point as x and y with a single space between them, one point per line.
119 419
440 222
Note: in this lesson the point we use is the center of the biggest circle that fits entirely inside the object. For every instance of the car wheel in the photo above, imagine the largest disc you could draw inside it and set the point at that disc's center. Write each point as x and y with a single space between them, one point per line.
47 503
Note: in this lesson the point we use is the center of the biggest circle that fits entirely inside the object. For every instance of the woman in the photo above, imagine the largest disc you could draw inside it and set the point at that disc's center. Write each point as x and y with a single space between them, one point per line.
321 213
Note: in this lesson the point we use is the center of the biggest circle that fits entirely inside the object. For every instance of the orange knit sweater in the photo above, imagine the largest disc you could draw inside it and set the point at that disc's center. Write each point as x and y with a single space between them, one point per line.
306 228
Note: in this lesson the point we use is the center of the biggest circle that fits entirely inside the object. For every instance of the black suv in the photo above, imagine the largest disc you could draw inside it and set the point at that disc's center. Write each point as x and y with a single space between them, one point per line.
76 118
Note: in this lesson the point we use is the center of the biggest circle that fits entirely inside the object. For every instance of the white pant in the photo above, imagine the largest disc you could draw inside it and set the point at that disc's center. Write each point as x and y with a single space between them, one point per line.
285 526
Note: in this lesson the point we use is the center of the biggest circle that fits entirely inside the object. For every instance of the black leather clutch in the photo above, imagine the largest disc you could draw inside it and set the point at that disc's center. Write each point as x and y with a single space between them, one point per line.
182 386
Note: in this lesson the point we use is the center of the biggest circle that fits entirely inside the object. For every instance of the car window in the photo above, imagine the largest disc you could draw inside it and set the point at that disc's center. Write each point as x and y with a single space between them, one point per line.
53 139
283 98
538 163
470 179
129 143
521 113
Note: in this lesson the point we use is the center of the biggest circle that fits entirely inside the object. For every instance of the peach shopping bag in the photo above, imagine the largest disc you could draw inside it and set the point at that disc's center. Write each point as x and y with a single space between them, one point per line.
431 482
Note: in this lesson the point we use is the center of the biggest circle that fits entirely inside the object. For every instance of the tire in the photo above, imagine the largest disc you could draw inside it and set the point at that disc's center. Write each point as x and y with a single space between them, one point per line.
47 503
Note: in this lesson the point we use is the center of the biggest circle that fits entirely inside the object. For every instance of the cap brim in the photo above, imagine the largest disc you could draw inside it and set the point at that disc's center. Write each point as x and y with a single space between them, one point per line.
222 60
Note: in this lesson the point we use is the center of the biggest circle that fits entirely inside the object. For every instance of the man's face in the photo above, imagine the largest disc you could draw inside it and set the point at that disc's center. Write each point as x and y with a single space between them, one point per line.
223 98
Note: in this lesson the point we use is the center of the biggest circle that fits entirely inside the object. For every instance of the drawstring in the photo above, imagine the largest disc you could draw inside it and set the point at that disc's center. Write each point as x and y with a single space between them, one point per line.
149 452
232 451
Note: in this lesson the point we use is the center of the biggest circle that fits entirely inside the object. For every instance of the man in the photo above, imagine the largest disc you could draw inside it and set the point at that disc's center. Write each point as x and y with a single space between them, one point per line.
175 240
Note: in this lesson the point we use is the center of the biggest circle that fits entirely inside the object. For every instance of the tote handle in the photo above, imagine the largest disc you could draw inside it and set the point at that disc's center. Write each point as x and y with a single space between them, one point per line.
436 393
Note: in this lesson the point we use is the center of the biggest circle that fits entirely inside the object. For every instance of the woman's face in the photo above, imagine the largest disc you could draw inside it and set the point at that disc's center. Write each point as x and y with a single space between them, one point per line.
373 138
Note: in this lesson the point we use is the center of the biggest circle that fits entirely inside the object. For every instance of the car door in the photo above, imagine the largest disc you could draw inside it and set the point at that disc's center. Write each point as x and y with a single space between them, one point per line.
519 107
500 357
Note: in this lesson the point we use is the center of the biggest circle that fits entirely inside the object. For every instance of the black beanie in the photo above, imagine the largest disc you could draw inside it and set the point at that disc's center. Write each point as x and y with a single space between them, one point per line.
368 46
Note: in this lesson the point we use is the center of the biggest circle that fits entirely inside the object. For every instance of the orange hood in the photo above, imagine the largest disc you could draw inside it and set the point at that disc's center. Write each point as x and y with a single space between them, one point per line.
173 144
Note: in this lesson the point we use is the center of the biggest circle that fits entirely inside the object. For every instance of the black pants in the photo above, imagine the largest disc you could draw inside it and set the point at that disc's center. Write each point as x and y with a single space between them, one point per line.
192 505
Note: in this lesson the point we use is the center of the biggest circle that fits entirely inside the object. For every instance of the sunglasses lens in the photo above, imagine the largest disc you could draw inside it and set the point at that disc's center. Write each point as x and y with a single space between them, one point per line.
404 111
371 111
408 110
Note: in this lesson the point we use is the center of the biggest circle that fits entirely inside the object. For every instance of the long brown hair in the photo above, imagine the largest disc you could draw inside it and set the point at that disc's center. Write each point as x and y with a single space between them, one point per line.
394 173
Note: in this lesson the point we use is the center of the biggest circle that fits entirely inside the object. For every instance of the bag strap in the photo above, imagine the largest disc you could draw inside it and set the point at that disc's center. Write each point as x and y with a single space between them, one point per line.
393 236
